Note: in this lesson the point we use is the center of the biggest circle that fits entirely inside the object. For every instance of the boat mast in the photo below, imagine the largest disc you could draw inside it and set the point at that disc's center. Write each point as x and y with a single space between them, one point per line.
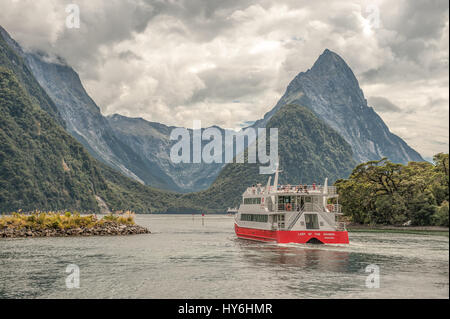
268 185
275 181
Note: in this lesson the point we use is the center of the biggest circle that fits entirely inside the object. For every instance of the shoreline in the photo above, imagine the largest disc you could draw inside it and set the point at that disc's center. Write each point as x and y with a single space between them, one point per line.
415 230
105 229
50 224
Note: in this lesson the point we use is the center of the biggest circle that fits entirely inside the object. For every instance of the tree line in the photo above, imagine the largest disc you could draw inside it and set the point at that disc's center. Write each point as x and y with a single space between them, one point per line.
382 192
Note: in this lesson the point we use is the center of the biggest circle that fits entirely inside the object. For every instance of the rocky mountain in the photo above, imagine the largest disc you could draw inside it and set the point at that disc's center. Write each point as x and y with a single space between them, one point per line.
309 151
152 140
10 58
332 92
43 167
138 148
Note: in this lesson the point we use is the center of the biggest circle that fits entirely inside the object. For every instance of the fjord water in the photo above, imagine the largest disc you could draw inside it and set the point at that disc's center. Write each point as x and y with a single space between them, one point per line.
187 257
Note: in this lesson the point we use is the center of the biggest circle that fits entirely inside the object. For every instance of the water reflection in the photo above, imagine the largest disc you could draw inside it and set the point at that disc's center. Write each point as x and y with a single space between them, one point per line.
305 256
183 259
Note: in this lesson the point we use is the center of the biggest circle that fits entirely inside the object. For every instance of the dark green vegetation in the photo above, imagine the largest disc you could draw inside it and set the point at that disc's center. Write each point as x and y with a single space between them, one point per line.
10 60
126 194
309 152
381 192
43 167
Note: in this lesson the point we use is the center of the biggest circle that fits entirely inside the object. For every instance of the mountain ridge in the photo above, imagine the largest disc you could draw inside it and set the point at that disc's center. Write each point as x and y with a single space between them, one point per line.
309 151
117 148
144 155
331 90
12 61
43 167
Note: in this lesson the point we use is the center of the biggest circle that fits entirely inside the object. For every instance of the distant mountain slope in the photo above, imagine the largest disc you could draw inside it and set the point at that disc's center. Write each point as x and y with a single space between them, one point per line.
86 123
82 118
133 146
331 90
152 140
309 151
140 149
42 167
11 60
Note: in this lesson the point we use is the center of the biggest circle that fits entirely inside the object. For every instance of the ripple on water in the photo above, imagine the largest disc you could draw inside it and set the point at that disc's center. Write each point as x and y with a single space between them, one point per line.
191 258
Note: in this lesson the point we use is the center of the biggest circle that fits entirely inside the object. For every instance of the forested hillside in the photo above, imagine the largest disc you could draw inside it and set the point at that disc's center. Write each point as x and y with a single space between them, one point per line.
309 151
382 192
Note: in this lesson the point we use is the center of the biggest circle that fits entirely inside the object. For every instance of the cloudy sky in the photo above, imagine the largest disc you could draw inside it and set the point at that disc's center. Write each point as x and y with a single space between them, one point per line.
227 62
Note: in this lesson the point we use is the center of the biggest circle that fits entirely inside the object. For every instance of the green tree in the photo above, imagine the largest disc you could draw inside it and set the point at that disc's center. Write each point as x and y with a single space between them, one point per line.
382 192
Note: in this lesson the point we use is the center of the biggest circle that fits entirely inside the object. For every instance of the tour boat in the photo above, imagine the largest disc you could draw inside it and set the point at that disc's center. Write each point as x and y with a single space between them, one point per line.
290 214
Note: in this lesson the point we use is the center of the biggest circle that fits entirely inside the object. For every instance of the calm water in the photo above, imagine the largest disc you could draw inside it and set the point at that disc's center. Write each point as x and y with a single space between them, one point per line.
184 259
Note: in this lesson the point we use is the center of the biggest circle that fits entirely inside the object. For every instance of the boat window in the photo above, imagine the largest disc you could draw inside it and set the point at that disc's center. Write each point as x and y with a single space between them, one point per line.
284 199
308 199
252 201
312 221
255 218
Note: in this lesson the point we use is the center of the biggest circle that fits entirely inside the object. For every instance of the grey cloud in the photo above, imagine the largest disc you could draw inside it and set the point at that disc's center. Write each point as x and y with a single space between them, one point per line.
133 56
230 84
382 104
126 55
416 19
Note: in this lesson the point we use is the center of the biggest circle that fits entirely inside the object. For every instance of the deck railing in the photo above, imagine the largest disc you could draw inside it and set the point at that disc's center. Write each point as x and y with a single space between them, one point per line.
300 189
334 208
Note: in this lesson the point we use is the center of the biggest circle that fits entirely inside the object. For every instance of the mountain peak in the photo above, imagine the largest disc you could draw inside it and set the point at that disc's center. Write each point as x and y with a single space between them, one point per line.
330 62
330 89
328 56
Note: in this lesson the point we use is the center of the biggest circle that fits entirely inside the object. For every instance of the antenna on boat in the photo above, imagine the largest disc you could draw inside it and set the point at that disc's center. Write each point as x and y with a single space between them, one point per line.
268 184
325 192
275 181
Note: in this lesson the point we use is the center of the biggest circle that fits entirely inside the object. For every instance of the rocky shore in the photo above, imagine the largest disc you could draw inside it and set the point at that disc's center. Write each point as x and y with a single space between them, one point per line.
104 229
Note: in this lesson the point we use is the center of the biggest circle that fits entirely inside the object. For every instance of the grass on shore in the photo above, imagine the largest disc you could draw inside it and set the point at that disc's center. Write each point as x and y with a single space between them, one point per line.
54 220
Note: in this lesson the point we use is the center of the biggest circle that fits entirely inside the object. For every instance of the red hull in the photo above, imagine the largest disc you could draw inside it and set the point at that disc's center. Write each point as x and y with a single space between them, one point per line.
285 236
